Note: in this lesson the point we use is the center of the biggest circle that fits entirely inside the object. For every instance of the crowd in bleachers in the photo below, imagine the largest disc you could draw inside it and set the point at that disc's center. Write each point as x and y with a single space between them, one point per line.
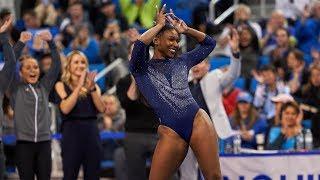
277 94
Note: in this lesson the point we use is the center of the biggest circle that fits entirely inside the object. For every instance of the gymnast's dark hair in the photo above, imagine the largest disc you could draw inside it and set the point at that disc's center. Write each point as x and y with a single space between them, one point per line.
166 27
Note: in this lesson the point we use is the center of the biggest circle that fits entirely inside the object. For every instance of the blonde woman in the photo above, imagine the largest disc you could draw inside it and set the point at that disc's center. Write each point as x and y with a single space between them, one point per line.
80 103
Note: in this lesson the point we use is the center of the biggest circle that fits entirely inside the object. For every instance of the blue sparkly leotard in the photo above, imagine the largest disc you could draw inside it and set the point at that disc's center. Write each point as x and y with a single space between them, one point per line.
164 84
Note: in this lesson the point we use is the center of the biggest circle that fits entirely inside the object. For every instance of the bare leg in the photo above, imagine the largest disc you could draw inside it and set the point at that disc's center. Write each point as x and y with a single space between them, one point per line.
205 146
169 154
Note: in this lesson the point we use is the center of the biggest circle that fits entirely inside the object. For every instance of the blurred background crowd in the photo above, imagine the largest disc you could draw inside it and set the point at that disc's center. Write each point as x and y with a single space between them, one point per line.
274 104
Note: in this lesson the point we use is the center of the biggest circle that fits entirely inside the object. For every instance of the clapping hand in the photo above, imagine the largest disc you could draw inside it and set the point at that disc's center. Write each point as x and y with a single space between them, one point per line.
45 35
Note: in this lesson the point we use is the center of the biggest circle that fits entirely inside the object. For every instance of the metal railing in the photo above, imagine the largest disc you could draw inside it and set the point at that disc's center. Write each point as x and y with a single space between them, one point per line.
224 15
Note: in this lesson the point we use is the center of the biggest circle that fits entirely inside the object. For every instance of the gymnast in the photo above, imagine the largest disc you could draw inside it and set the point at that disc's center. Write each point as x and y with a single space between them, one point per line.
162 81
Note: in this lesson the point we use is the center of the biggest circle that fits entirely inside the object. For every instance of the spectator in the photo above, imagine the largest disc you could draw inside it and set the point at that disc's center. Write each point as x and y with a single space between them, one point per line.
268 88
46 13
139 13
76 18
307 28
292 9
269 40
80 104
114 45
298 74
249 51
85 43
310 99
246 119
279 100
108 14
29 99
206 88
283 138
279 54
114 116
242 17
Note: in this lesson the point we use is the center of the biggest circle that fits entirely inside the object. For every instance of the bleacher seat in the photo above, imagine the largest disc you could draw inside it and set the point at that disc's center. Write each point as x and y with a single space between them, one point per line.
307 59
217 62
306 123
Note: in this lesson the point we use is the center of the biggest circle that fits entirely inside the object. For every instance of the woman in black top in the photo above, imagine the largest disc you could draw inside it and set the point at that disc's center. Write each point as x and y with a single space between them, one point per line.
80 104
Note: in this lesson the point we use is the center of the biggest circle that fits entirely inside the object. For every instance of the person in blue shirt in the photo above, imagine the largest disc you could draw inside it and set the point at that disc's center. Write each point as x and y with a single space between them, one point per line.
284 137
308 28
246 119
163 82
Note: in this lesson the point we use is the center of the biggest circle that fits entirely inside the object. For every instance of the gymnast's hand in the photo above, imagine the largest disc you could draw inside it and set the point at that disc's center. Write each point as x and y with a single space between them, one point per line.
178 23
6 24
161 16
234 41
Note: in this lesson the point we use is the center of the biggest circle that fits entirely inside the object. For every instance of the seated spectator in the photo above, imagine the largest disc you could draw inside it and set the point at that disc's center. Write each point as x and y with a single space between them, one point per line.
292 9
281 51
108 14
246 119
310 96
307 28
113 118
298 74
76 17
140 13
278 101
85 43
268 88
46 13
242 17
269 40
284 137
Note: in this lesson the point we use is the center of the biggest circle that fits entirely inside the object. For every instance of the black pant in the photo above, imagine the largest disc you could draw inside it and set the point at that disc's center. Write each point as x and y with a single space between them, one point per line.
81 145
2 162
138 147
34 159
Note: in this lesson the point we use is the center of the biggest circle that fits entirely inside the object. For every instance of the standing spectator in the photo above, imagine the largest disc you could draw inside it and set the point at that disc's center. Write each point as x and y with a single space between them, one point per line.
29 99
6 75
283 138
249 51
80 104
109 14
140 127
308 28
206 88
268 88
85 43
139 13
114 45
114 116
246 119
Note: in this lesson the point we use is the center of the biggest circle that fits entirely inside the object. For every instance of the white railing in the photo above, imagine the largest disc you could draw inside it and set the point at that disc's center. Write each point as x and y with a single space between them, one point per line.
224 15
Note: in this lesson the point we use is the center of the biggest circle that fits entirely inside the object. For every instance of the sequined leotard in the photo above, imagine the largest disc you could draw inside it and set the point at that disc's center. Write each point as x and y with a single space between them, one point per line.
164 84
